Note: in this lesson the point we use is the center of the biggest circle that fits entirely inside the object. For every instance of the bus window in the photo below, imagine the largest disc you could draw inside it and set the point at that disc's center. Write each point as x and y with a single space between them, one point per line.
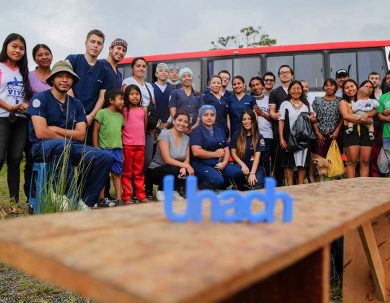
215 66
273 64
195 66
343 60
310 67
370 61
247 67
126 70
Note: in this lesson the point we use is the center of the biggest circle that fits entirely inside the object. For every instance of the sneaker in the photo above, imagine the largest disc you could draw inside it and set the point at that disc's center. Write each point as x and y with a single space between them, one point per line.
371 135
83 206
160 195
105 203
134 198
177 196
150 198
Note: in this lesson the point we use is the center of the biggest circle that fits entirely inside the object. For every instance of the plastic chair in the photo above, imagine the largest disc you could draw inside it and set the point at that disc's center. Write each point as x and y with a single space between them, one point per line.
38 185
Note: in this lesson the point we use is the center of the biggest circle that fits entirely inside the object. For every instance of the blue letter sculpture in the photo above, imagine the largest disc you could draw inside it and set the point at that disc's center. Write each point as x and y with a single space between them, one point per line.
239 206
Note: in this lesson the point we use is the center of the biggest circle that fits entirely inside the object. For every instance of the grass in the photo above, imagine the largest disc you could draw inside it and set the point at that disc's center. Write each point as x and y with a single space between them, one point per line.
16 286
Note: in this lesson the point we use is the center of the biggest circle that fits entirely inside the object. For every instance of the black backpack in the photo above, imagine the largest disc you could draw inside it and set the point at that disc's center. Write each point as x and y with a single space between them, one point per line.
154 118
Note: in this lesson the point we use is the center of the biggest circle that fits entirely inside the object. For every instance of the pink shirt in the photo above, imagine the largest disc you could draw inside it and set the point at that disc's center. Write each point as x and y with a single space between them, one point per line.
134 130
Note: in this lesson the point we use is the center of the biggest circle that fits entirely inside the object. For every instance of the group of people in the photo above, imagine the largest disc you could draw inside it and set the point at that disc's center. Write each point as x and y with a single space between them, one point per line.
140 132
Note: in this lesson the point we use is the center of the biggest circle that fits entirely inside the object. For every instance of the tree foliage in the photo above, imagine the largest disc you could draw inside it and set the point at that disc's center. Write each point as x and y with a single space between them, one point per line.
248 37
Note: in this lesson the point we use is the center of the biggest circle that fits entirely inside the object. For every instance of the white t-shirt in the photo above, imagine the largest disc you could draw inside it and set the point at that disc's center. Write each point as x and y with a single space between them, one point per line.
12 89
144 90
161 87
265 126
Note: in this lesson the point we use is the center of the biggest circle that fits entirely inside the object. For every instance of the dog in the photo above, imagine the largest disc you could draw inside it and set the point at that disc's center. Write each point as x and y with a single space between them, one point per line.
318 168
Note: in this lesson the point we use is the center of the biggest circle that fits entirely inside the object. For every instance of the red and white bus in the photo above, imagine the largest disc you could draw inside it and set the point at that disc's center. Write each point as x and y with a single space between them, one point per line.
311 62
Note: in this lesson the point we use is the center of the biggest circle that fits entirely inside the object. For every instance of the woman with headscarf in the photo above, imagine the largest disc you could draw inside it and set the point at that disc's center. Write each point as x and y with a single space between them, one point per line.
210 153
185 98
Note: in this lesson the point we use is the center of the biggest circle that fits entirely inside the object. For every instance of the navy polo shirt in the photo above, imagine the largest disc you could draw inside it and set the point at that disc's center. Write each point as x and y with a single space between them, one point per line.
221 108
207 140
162 100
65 115
249 152
236 107
92 80
189 104
114 77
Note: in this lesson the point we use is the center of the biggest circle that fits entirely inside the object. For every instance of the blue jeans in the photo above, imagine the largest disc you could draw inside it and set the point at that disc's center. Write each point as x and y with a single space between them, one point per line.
94 164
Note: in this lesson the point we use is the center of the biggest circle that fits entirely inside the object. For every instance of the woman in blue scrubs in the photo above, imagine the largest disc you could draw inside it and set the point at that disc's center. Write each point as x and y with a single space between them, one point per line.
239 102
211 153
214 97
247 146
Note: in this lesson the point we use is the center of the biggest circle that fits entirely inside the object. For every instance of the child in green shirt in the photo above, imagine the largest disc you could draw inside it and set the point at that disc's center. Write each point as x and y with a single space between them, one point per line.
107 134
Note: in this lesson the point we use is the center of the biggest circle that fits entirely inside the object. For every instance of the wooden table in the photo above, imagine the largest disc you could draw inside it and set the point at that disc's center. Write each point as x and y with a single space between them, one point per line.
133 254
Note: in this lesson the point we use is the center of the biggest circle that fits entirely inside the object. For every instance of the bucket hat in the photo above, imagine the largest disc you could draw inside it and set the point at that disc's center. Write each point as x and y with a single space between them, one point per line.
60 67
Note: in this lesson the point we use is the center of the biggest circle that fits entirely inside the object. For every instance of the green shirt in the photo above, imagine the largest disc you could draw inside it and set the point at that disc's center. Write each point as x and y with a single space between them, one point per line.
384 103
110 131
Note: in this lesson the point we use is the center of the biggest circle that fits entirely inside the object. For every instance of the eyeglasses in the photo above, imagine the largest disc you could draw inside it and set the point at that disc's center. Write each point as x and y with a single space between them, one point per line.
269 80
284 73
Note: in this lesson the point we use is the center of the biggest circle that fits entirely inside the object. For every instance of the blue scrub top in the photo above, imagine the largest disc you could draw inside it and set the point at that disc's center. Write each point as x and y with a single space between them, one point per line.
92 80
236 107
65 115
221 108
249 152
189 104
207 140
114 77
162 100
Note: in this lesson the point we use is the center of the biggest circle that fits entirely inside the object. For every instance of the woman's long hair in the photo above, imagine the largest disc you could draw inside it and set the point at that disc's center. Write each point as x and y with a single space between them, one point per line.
22 63
242 134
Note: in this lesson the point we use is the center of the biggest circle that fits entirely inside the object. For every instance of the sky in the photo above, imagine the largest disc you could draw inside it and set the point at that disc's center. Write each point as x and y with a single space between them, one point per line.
159 27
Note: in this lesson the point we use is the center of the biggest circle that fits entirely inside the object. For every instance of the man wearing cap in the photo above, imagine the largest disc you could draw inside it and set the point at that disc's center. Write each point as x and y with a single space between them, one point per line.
162 91
117 52
173 76
58 121
341 76
93 78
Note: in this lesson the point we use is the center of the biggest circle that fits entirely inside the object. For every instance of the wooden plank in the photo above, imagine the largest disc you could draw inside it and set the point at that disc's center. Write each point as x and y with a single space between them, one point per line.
358 284
374 259
133 254
285 286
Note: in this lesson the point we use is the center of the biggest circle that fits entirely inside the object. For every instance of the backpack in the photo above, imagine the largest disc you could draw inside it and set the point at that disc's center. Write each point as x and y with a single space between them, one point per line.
154 118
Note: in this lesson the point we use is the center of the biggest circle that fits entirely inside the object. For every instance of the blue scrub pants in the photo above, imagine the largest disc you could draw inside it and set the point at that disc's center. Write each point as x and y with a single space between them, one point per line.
93 163
211 178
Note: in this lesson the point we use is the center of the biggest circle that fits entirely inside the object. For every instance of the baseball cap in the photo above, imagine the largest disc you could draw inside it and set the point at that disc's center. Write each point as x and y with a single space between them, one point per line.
342 72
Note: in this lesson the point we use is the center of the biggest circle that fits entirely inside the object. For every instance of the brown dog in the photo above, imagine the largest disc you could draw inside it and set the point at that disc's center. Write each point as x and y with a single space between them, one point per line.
318 168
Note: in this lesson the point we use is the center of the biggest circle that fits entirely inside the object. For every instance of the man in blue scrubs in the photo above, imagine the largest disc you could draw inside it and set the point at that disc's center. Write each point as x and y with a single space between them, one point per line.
93 81
58 122
117 52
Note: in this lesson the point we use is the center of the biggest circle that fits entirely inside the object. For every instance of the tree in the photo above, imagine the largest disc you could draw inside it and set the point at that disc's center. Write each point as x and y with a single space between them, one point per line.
248 37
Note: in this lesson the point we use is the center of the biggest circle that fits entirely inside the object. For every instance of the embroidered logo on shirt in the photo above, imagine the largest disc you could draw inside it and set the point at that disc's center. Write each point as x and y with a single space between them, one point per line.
36 103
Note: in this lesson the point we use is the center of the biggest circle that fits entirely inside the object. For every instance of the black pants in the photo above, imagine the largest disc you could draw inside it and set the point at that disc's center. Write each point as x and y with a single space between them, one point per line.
12 140
156 175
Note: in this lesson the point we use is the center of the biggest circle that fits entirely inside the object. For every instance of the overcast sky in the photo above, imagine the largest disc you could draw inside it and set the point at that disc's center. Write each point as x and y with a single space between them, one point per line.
156 27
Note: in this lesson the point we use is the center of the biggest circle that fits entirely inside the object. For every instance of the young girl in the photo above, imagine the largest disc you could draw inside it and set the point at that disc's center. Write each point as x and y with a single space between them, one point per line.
107 134
133 138
14 86
246 147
